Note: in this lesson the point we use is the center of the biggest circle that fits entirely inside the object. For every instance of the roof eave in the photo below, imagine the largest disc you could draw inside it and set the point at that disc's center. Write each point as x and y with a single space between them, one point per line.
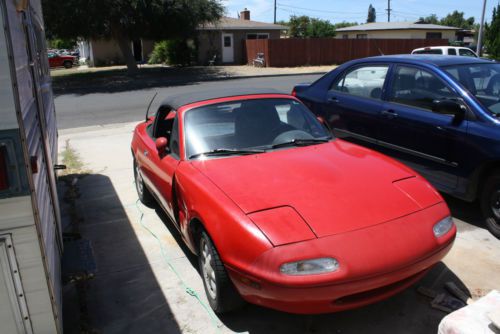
241 28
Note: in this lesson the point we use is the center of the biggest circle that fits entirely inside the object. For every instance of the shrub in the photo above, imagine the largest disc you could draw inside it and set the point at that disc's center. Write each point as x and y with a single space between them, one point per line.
159 54
172 52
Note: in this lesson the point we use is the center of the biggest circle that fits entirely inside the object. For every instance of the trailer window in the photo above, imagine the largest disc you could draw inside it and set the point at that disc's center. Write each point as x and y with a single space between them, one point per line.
4 177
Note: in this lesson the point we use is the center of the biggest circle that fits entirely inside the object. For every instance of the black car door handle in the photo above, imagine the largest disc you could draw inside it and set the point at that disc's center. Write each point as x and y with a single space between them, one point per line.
389 113
333 99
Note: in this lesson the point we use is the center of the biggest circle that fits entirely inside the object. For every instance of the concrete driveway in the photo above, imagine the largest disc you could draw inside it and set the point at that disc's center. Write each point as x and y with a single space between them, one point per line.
147 281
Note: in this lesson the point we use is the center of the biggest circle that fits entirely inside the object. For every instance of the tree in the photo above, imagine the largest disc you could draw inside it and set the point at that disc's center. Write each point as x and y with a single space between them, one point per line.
307 27
431 19
127 20
320 28
58 43
456 19
492 35
345 24
372 14
298 26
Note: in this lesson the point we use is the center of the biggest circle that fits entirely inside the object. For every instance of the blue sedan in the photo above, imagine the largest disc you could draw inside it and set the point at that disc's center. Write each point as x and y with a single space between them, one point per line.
438 114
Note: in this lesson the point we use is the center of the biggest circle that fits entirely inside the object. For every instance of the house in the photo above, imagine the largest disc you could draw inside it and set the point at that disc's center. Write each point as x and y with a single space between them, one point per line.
398 30
102 52
225 39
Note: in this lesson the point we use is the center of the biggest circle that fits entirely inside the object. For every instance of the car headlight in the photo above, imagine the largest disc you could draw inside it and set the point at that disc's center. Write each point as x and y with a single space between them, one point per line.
443 226
310 267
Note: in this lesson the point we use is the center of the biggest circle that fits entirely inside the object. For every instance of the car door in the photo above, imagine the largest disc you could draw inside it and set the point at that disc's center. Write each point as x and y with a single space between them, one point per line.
52 59
353 102
159 168
411 131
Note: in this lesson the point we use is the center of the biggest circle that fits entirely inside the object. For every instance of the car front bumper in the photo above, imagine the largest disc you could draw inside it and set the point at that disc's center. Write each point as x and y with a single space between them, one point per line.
375 263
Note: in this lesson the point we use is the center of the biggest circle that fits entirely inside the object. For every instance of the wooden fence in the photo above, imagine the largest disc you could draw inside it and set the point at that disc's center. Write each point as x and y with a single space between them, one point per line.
326 51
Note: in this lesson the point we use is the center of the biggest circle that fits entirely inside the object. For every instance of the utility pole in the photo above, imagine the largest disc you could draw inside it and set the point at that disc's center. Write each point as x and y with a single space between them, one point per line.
479 48
274 11
388 10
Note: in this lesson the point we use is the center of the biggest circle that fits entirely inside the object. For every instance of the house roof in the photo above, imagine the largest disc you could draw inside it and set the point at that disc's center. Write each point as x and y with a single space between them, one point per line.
229 23
395 26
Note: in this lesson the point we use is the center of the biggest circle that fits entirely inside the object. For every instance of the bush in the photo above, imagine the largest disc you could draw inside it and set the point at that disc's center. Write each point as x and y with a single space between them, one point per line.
159 54
172 52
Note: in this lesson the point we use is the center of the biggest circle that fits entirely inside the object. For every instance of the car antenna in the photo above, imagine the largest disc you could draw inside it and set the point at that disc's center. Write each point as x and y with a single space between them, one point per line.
149 106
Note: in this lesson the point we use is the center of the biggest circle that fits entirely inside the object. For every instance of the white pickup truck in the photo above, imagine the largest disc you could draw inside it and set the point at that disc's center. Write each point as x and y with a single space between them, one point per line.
446 50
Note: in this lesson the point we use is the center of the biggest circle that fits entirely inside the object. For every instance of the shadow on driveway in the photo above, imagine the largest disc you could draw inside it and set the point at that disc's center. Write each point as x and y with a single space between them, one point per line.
124 296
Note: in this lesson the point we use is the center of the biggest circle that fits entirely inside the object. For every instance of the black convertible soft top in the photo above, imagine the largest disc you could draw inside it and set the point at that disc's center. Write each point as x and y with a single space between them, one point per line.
179 100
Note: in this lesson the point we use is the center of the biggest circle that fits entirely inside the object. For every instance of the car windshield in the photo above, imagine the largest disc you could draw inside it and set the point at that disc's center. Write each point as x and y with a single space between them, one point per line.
250 126
482 80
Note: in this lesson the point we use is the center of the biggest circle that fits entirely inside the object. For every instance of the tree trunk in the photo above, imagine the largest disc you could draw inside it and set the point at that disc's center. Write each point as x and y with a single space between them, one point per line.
124 44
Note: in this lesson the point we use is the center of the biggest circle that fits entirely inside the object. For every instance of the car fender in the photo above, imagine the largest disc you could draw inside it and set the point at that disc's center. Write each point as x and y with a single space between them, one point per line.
237 239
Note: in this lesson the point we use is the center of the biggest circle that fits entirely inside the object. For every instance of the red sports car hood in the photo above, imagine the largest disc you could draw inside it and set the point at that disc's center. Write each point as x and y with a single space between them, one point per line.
335 187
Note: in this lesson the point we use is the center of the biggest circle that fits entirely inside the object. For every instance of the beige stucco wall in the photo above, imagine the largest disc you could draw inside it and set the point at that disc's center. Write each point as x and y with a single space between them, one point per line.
404 34
210 43
107 52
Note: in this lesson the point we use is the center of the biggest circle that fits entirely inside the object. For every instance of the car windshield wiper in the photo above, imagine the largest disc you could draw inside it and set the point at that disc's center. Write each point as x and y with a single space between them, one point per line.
225 151
301 142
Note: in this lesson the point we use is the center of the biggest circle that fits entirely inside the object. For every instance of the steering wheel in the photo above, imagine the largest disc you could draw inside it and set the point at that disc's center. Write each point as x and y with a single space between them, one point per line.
291 135
494 82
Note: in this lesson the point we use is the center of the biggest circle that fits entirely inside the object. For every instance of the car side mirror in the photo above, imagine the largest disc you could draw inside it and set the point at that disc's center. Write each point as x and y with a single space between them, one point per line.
448 107
161 146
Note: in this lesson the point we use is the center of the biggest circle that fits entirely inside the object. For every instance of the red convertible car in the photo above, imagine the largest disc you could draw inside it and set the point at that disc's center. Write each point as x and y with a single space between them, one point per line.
279 212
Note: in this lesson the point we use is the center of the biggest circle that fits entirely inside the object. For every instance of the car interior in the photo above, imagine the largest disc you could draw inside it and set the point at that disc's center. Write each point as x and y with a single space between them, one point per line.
162 127
418 88
245 124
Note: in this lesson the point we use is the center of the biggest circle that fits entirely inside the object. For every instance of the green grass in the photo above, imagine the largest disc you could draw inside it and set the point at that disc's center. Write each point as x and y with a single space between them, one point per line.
72 160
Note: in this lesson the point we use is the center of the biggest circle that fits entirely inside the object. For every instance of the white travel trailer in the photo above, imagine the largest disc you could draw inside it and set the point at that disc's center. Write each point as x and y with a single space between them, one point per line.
30 224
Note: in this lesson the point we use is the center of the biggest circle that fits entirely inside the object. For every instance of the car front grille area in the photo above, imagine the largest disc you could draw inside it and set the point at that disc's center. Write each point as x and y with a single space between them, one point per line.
374 293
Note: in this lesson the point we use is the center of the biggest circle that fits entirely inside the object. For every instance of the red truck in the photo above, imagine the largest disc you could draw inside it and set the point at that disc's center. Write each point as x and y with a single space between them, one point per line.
58 60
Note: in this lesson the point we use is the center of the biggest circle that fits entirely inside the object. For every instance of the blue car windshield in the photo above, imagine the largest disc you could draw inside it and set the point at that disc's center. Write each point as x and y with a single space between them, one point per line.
246 126
482 80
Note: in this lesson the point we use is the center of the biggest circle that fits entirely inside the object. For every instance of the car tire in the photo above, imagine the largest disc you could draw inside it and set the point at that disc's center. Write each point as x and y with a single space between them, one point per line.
221 293
490 203
142 191
68 64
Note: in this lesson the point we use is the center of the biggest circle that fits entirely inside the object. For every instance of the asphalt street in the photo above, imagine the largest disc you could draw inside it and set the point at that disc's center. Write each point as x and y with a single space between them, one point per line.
74 111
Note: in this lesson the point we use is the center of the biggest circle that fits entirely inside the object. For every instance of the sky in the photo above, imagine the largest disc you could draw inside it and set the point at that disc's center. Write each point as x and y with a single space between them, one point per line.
357 10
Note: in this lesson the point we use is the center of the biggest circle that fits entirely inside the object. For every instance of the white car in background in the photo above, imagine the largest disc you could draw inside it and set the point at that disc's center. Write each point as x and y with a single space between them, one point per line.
446 50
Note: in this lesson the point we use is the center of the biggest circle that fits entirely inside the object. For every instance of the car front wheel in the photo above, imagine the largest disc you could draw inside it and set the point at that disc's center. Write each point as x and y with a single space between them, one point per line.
221 293
68 64
490 204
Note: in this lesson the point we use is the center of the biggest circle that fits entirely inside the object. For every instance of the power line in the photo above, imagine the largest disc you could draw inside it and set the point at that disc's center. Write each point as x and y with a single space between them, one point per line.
329 17
318 10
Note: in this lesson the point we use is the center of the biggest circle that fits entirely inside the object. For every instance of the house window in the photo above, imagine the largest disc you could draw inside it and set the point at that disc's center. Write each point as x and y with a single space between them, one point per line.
433 35
361 36
258 36
227 41
345 36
